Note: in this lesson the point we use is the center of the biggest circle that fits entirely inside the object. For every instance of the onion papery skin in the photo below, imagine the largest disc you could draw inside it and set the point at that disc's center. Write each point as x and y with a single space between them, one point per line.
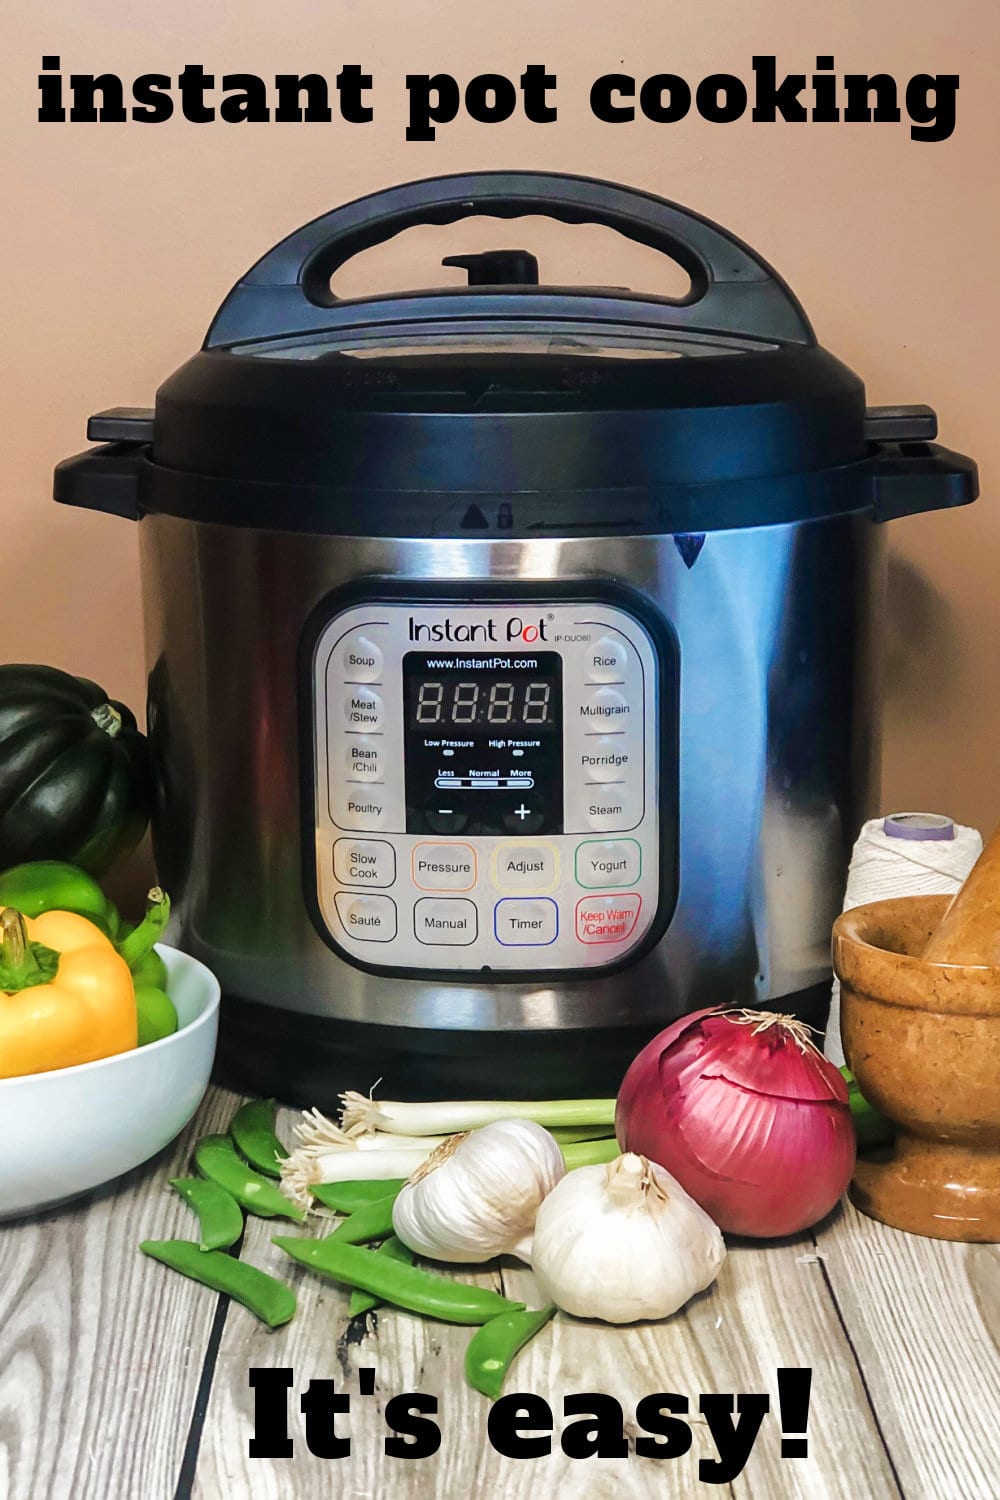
755 1129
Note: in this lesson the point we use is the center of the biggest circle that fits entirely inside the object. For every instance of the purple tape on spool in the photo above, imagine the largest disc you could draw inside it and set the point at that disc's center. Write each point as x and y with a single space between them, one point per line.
927 827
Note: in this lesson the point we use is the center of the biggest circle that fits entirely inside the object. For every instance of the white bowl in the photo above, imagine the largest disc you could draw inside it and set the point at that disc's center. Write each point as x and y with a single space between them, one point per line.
70 1130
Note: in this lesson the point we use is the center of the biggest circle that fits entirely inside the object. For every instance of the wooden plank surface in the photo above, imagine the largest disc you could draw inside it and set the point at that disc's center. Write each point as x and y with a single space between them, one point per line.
100 1351
924 1318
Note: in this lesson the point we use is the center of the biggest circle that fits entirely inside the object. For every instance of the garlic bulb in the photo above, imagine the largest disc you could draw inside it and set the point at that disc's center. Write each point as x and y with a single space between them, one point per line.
623 1241
477 1195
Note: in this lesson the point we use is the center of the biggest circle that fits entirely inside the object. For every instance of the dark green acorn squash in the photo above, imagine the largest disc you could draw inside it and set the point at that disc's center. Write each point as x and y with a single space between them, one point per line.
75 780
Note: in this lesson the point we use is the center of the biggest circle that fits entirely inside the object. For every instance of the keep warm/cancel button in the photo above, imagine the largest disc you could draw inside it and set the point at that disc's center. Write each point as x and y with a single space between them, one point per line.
606 919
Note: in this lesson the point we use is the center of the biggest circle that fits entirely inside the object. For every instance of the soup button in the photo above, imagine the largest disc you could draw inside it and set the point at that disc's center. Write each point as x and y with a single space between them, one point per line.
607 919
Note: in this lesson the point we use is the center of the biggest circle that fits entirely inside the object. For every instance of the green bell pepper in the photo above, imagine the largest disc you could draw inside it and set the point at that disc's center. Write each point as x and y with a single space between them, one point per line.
50 885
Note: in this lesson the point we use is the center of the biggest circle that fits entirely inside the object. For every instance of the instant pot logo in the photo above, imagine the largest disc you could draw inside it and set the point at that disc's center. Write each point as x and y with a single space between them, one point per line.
514 628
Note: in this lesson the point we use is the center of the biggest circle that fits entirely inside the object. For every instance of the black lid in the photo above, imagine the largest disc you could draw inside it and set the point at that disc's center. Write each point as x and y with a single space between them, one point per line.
574 408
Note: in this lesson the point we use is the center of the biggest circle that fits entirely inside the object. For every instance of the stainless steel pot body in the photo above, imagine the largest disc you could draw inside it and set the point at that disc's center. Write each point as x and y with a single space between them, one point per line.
778 759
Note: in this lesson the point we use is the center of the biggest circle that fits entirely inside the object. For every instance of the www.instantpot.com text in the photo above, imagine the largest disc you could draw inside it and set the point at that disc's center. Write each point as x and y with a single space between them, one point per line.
209 95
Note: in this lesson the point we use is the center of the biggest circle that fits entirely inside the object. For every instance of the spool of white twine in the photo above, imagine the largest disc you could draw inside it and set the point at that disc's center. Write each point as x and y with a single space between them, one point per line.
903 854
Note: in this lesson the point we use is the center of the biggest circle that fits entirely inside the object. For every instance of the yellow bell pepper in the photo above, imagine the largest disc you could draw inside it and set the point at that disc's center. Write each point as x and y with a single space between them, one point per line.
66 996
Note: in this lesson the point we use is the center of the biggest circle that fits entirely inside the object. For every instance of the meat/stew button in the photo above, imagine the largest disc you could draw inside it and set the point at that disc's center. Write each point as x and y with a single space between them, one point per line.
607 919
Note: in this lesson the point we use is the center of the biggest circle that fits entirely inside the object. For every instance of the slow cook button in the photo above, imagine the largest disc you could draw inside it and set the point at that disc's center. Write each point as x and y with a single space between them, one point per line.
526 924
368 919
604 862
451 922
608 660
360 660
525 867
608 757
363 708
444 867
605 708
607 919
363 758
358 806
612 808
364 862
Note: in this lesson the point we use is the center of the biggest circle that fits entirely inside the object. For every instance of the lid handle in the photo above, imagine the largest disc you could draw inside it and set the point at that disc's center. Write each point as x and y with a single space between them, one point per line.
733 290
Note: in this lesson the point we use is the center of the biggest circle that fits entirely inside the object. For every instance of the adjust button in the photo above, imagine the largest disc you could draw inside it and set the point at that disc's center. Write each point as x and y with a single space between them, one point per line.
363 708
360 659
355 806
368 919
606 919
361 862
608 862
444 867
526 924
525 867
363 758
451 922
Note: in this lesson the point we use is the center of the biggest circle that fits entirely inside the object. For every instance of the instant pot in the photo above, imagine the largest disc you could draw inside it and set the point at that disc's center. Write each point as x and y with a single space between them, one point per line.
512 648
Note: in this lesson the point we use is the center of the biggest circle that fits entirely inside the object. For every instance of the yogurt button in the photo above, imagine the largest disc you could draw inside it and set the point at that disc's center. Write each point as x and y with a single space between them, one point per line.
361 660
608 862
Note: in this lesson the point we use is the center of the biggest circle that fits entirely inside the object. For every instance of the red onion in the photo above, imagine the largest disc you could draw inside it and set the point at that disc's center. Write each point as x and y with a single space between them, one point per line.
749 1116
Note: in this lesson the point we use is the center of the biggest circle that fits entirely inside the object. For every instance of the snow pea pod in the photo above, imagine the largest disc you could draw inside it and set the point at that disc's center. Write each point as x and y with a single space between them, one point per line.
371 1222
266 1297
155 1014
404 1286
393 1247
215 1157
220 1217
493 1347
252 1128
348 1197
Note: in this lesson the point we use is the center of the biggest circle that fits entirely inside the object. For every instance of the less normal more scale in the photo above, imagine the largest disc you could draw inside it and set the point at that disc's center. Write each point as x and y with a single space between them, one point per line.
487 783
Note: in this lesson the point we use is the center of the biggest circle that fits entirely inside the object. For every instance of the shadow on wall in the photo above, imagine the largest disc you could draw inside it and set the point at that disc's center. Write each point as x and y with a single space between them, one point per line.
923 649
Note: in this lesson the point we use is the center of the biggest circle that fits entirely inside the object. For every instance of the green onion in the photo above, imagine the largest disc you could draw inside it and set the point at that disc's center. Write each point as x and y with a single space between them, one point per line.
448 1118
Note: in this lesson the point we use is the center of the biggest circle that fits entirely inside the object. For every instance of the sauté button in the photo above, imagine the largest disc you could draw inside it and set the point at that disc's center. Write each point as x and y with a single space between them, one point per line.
363 758
362 862
451 922
607 660
358 806
444 867
361 660
526 924
525 867
607 757
606 919
605 708
363 708
604 862
368 919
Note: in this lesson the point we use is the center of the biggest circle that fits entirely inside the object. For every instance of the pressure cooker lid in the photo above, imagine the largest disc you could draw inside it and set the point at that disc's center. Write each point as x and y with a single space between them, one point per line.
574 408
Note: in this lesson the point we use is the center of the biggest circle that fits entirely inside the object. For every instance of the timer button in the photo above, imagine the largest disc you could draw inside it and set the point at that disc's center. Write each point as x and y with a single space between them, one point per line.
452 923
607 660
444 867
605 708
363 708
361 862
369 919
363 758
361 660
526 924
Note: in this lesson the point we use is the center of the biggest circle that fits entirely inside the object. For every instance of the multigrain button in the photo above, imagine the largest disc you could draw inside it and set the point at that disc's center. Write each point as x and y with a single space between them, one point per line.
607 660
368 919
448 922
607 919
605 708
608 862
363 708
361 862
610 808
355 806
444 867
363 758
607 757
525 867
360 660
526 924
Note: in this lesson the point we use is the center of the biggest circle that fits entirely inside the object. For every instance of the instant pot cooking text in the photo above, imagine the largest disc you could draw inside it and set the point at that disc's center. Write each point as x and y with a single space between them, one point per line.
208 95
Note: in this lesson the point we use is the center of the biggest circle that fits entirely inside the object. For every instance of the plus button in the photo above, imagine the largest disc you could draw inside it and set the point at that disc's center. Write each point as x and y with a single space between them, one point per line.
522 812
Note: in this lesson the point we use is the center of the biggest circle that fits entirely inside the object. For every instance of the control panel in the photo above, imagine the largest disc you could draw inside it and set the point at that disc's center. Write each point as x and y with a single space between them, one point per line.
486 784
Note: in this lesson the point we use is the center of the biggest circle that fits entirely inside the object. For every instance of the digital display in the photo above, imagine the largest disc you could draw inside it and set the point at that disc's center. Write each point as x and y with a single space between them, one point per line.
483 743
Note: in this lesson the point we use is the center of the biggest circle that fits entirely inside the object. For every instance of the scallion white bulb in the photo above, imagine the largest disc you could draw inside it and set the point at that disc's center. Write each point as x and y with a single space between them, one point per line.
623 1241
477 1195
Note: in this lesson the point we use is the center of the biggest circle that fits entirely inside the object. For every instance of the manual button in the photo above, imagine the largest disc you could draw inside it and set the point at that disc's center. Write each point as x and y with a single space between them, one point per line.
368 919
451 922
526 924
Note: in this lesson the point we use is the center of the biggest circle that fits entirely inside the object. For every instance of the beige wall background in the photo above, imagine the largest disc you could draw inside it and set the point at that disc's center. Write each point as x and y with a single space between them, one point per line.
119 241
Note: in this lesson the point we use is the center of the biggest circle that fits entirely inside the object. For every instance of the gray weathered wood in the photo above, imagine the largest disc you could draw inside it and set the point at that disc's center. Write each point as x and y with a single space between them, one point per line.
100 1350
